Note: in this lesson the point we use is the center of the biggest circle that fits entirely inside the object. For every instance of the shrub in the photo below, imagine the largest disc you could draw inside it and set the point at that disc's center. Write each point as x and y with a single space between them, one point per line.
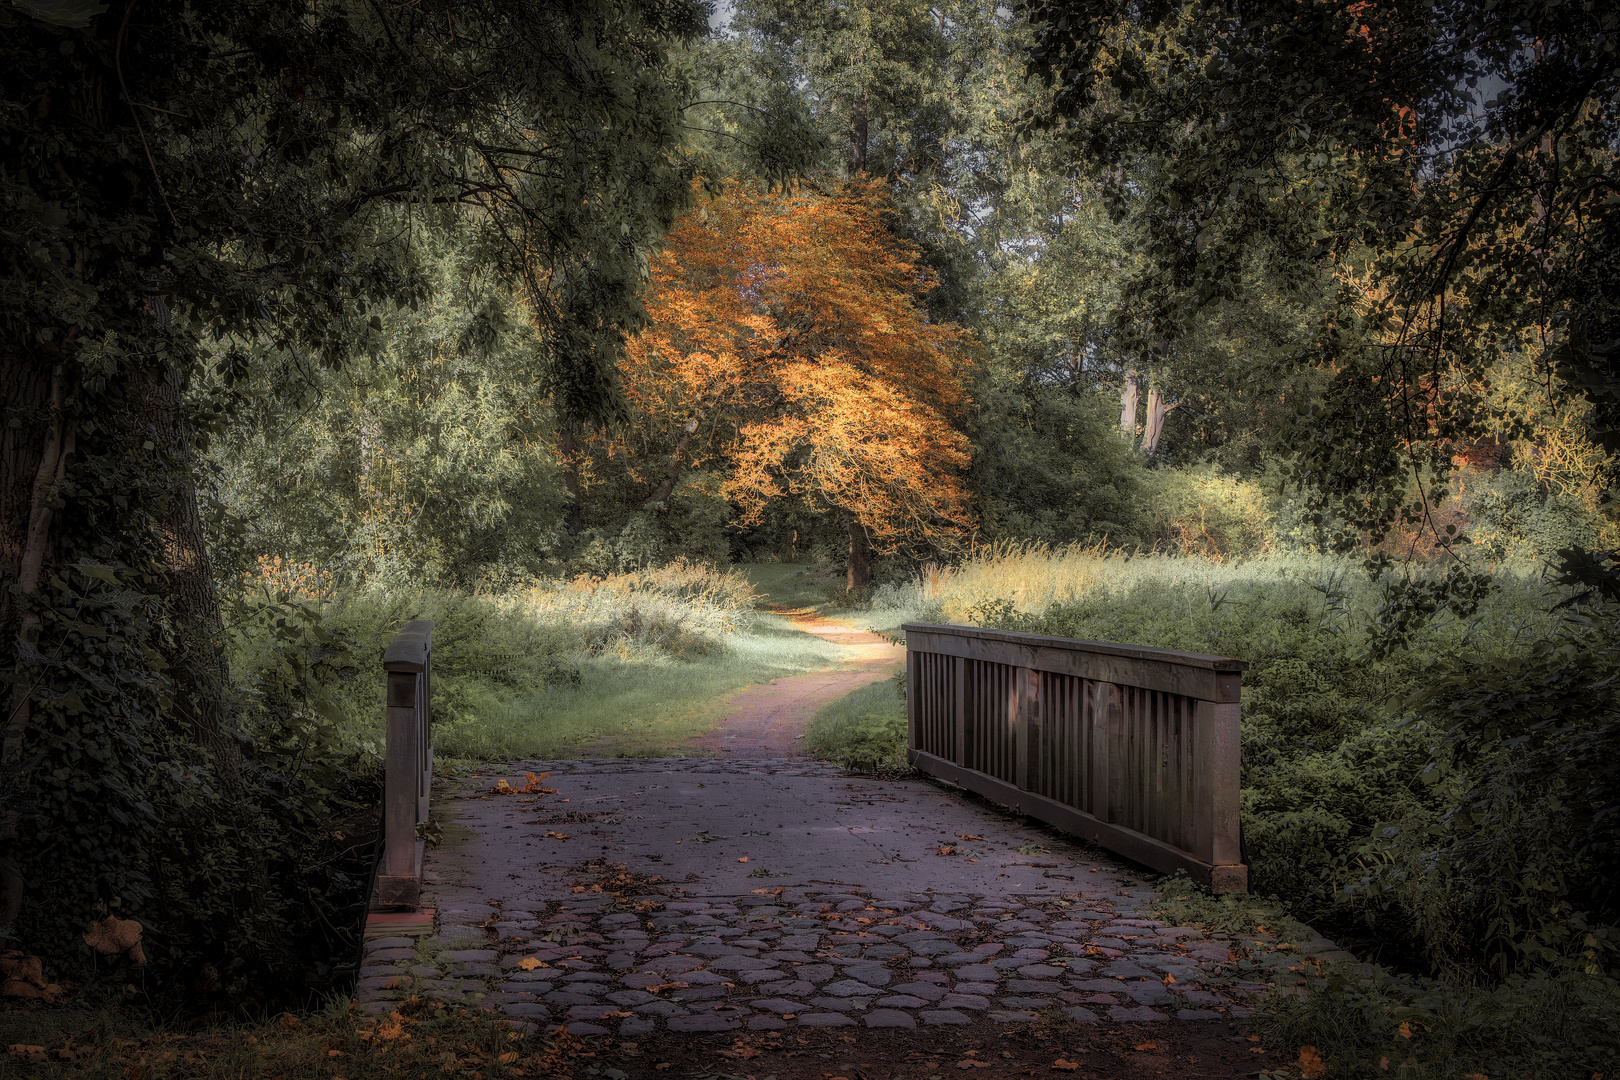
865 730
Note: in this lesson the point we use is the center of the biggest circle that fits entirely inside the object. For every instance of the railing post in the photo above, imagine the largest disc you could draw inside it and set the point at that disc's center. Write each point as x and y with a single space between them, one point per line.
1218 805
408 763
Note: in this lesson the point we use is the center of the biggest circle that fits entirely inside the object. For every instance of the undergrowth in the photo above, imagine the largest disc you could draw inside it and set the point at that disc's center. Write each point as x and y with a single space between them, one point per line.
419 1040
1446 808
865 730
629 664
1368 1023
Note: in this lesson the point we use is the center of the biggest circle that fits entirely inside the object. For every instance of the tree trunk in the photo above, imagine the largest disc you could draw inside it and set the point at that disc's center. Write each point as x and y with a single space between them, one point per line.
858 137
199 669
860 565
677 460
33 465
1156 411
570 464
1128 396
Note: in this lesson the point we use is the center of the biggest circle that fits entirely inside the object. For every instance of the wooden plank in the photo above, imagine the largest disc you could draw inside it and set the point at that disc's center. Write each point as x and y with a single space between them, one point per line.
958 706
381 924
1143 652
1132 845
1162 671
915 703
409 649
1022 706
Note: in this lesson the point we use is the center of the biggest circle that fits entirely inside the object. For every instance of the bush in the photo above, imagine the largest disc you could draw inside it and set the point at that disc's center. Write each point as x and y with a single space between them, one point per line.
865 730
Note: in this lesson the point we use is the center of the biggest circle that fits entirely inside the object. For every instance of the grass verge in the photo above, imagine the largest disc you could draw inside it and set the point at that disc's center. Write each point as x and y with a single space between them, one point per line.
1350 1021
633 664
419 1040
865 730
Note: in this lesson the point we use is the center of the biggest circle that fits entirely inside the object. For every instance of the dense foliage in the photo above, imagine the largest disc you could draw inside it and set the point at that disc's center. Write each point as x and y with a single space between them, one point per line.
200 201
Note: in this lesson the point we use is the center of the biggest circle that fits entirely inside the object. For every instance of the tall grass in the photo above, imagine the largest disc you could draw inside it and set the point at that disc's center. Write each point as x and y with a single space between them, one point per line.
1032 579
632 663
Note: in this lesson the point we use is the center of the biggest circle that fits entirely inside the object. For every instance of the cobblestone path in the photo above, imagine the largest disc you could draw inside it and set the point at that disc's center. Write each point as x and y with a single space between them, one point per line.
695 895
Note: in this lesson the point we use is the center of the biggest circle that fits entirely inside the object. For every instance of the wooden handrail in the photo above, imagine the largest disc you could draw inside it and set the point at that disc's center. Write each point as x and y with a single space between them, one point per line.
408 668
1133 748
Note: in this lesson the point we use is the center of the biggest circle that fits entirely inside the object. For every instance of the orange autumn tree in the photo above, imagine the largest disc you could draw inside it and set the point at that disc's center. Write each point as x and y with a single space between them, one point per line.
787 342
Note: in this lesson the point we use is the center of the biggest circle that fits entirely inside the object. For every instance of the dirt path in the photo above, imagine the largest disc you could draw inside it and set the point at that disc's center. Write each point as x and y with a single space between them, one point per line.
766 721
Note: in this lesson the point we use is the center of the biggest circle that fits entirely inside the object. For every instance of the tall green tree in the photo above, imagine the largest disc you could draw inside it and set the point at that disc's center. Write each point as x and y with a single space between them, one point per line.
1451 165
251 176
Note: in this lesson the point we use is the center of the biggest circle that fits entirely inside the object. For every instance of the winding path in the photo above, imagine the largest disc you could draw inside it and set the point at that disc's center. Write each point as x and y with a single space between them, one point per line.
768 720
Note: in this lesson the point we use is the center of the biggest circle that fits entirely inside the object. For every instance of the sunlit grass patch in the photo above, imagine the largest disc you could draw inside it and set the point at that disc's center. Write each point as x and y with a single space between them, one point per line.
800 586
632 664
642 707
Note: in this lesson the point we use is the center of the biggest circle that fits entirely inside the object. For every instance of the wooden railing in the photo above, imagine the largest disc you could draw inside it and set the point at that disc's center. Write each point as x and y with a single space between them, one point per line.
1134 749
408 666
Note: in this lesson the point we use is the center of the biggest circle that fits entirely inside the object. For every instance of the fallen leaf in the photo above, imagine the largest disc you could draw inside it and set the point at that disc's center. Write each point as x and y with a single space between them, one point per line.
743 859
1065 1065
529 963
511 1055
969 1063
946 849
558 835
1310 1064
968 836
661 1066
1147 1046
112 936
1169 978
1405 1030
1383 1063
34 1055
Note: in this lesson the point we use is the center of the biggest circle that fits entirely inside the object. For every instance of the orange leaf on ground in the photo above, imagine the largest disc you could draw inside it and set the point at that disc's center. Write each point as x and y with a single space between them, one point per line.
968 836
529 963
1147 1046
969 1063
1065 1065
743 859
1310 1064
